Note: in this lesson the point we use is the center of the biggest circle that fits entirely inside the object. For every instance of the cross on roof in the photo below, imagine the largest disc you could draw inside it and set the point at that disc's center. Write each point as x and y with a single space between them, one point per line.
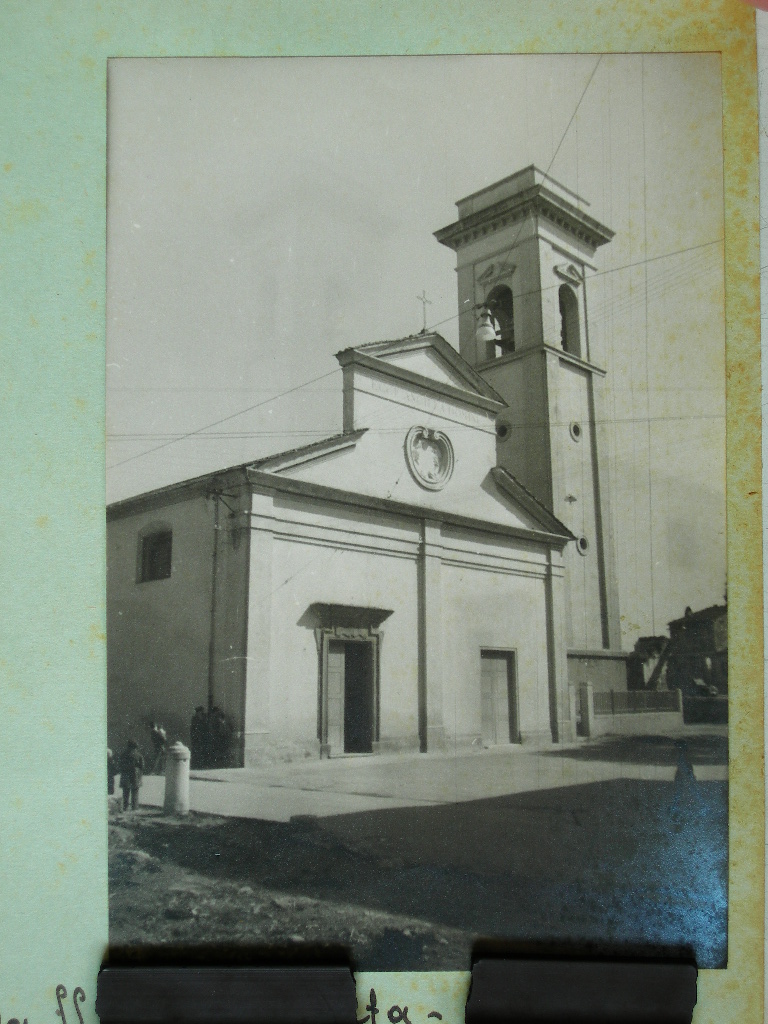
424 303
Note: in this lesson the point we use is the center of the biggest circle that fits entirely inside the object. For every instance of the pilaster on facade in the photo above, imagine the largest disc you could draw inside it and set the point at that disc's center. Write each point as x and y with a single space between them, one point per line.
430 638
601 441
562 723
256 727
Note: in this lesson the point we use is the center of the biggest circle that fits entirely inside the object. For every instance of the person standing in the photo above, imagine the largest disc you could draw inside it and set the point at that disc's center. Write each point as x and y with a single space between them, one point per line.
131 774
198 739
221 738
159 739
111 772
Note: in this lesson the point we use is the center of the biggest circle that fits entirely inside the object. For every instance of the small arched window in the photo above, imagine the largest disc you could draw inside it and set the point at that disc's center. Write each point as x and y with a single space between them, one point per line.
569 321
500 304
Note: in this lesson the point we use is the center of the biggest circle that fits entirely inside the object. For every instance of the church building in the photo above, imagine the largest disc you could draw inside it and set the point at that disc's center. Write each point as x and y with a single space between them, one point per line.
440 573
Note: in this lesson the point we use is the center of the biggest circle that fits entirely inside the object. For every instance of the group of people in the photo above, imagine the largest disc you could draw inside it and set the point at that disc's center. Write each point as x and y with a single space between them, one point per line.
131 766
210 742
210 737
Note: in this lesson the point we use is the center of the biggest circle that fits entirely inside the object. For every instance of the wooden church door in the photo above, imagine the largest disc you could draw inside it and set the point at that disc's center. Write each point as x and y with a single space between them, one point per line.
350 696
498 698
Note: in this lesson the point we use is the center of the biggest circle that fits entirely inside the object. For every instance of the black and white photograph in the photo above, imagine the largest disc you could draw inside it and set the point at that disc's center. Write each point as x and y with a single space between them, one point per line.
416 534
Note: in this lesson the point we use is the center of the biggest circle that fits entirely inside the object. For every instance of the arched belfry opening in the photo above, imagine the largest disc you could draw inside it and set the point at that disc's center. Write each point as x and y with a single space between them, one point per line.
500 304
569 321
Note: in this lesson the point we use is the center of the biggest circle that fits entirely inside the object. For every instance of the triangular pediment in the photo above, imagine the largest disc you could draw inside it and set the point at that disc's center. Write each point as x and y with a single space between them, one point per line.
428 363
425 358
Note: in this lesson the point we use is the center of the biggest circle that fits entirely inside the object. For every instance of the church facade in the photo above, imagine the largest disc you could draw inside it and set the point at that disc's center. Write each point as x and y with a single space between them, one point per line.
438 574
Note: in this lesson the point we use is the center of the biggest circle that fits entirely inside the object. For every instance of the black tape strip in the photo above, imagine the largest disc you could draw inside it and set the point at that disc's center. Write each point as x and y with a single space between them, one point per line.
226 995
530 991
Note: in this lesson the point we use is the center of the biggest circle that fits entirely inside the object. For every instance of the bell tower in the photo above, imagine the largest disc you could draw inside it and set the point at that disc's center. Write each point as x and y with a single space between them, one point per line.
524 247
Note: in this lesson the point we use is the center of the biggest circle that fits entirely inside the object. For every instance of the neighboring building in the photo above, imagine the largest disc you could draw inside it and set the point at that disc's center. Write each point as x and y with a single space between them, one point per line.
693 658
439 572
647 664
698 652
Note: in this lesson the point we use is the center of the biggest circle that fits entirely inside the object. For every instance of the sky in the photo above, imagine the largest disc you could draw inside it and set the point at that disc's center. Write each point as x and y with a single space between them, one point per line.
266 213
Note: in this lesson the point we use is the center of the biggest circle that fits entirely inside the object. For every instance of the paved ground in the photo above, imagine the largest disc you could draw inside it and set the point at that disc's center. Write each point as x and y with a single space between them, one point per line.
407 861
352 785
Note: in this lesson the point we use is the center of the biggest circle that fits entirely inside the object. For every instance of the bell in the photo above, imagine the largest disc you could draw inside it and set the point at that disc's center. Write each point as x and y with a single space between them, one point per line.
485 329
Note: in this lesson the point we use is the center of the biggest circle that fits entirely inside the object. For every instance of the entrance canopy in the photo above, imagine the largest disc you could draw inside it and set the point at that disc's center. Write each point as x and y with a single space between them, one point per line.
331 616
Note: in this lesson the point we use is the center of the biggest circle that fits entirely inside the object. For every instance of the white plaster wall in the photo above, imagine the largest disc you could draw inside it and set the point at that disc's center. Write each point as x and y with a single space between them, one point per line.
157 632
497 611
575 468
424 362
525 451
306 572
323 553
377 465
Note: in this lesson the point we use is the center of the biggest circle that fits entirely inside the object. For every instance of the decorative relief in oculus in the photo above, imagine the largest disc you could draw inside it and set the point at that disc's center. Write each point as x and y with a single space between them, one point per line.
429 454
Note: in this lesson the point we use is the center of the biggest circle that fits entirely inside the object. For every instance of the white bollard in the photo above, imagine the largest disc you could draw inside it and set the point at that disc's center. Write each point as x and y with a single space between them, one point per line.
176 780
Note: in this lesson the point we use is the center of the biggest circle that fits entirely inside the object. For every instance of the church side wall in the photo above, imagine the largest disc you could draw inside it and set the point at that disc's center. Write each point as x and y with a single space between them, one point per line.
158 631
231 604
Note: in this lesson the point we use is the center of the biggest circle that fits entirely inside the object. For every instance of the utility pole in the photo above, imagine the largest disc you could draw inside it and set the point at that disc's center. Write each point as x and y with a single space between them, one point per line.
212 628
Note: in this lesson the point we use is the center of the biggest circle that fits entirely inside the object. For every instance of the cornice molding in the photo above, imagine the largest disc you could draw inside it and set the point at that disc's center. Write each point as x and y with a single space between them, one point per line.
530 503
199 486
553 350
536 200
309 452
266 483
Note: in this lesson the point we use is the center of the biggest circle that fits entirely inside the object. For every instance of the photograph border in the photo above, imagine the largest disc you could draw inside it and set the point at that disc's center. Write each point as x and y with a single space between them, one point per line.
54 215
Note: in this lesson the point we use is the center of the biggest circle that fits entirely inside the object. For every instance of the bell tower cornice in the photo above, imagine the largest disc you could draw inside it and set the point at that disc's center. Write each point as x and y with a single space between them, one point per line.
530 192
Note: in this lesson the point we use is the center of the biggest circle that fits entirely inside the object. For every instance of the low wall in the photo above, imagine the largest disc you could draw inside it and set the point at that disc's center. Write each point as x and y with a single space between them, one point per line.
643 723
627 713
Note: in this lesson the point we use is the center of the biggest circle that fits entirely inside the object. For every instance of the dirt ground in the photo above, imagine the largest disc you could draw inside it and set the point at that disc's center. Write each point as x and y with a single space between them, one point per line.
635 864
178 888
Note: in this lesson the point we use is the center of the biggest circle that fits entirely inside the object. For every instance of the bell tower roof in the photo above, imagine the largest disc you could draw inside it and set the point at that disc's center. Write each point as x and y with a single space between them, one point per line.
529 191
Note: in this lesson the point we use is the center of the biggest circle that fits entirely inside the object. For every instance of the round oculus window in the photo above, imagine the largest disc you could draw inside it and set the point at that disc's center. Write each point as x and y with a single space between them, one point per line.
582 545
575 429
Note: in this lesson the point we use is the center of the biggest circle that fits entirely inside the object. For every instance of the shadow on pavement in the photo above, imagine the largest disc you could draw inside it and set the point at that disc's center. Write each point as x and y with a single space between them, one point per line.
623 862
702 749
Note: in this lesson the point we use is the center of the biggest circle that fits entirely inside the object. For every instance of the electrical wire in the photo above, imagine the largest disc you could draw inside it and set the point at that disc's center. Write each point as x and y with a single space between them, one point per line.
512 247
600 273
224 419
